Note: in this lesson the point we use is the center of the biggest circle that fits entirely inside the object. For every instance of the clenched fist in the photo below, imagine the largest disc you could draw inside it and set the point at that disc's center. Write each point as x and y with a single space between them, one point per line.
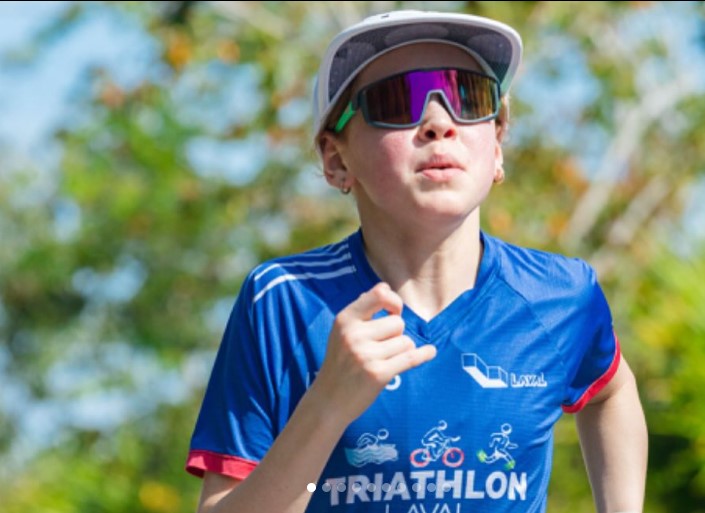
364 354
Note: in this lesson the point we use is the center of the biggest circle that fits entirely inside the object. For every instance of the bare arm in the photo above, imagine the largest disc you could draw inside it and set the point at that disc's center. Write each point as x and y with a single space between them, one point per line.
278 483
363 355
614 442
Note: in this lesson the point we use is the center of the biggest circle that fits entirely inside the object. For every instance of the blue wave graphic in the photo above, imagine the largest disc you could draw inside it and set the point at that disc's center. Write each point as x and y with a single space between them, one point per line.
371 454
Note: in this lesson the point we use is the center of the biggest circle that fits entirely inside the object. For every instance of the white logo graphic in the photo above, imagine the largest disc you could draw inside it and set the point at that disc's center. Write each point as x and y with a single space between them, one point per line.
500 445
494 376
369 450
486 376
394 383
436 445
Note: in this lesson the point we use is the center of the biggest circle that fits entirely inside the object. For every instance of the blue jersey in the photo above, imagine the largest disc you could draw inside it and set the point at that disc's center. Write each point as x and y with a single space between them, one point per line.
469 431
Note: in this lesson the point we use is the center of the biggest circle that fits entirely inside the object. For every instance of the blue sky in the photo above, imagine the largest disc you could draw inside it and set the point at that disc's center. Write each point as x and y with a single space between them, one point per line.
37 94
43 92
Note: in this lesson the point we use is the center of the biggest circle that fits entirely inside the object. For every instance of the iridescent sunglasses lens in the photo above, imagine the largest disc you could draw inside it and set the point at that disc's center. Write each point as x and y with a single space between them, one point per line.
399 101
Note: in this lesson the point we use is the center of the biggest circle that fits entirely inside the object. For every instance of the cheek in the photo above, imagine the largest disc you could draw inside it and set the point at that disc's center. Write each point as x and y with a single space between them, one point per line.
382 151
395 147
481 148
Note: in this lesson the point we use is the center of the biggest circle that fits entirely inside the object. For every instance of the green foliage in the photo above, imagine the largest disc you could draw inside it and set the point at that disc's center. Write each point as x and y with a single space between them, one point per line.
668 321
109 326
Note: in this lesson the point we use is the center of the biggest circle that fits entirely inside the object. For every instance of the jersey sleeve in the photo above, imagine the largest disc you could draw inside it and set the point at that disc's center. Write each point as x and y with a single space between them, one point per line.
594 354
234 429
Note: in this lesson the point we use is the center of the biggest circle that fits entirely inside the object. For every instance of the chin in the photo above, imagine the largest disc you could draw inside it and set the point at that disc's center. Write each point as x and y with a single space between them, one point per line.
450 204
447 213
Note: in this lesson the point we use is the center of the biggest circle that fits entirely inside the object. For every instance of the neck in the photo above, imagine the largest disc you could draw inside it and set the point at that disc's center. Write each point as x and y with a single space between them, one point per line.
429 268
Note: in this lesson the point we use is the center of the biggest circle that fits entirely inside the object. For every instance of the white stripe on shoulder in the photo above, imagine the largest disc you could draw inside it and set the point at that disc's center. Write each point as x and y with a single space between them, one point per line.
331 249
303 263
304 276
310 262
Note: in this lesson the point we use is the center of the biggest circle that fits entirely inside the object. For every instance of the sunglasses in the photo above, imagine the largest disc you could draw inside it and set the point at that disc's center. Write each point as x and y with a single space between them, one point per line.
400 101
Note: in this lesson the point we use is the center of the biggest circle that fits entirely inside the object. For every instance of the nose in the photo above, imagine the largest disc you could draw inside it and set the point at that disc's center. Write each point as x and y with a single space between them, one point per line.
437 122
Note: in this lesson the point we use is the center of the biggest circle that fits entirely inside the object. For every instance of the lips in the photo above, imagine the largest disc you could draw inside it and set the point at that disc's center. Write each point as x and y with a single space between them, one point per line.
439 162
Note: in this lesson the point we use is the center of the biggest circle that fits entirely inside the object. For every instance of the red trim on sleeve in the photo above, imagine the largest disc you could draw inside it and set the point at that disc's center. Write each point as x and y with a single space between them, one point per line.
599 384
198 462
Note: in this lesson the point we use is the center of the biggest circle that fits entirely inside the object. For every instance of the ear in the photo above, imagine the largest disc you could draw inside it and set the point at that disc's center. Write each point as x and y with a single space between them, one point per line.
334 167
499 160
500 128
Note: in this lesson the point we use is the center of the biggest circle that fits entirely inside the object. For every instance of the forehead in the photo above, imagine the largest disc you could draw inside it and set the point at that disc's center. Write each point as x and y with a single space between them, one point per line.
416 56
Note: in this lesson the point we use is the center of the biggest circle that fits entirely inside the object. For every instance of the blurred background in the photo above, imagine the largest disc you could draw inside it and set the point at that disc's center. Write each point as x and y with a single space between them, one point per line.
151 153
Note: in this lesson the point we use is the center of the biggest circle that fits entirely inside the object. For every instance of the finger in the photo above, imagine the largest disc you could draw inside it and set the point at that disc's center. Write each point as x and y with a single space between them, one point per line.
379 297
381 328
410 359
392 347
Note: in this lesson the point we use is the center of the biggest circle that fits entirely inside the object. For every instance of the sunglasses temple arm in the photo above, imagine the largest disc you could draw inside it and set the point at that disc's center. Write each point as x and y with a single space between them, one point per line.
348 113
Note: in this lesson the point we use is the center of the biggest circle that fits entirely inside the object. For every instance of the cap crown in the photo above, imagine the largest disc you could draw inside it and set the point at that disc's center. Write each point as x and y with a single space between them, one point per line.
497 48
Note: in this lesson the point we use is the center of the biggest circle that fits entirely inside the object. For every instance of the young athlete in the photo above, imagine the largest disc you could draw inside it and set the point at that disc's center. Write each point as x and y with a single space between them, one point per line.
420 364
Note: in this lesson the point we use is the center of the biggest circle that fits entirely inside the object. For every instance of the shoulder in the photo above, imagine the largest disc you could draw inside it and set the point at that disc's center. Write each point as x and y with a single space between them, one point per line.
562 292
285 274
535 274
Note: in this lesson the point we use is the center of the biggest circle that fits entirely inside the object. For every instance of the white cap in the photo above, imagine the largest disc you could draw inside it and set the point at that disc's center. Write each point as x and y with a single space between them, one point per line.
496 47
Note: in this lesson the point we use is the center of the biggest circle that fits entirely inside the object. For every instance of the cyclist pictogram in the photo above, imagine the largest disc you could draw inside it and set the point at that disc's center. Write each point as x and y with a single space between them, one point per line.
437 445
